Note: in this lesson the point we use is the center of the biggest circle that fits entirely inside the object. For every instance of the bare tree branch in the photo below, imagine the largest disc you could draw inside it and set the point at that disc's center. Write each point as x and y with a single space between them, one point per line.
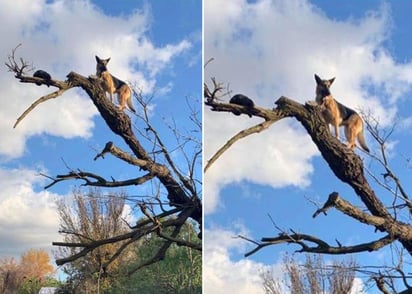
138 232
270 117
182 200
346 166
20 67
380 283
94 180
38 101
242 134
320 246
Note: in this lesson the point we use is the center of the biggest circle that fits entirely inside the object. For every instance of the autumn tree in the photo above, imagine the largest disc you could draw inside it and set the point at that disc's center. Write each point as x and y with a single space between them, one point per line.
175 186
36 263
386 218
26 275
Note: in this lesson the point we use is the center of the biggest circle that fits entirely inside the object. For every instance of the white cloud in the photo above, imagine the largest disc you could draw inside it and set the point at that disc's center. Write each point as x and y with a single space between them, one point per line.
277 157
358 287
272 48
68 116
28 218
223 275
128 215
28 214
63 36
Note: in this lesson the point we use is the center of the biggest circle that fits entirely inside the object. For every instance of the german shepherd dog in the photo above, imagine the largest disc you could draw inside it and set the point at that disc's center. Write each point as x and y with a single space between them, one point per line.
112 85
338 114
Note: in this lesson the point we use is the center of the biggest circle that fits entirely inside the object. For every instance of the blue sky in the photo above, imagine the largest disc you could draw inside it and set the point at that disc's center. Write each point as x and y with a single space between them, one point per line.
263 49
155 45
269 48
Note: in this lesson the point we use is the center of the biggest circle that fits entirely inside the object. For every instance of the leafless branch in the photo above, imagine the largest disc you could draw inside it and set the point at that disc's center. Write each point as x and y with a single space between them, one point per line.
94 180
38 101
242 134
346 166
171 182
20 67
139 231
320 246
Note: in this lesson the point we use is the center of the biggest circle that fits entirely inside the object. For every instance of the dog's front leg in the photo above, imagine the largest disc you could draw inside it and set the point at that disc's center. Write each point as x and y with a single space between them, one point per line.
336 126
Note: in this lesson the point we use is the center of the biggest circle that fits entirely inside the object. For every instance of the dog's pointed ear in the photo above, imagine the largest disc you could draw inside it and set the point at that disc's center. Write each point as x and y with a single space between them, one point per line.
318 79
331 80
97 58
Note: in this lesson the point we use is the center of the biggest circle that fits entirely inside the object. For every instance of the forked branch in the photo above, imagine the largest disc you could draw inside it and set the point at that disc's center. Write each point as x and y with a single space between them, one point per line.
212 99
346 165
183 205
20 67
94 180
312 244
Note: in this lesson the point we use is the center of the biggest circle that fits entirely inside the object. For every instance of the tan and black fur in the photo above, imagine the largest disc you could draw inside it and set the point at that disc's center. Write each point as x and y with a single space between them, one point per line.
113 85
338 114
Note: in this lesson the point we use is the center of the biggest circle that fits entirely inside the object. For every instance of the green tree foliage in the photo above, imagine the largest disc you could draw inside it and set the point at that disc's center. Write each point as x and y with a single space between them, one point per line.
167 168
179 272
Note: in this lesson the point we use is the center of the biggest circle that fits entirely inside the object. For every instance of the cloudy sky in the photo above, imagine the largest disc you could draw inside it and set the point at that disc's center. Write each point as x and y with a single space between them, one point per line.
156 46
263 49
269 48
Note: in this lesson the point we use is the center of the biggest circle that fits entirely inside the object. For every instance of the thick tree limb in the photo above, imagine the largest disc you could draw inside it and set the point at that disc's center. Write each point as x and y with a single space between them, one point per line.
380 283
320 246
88 247
126 157
347 208
184 201
94 180
345 164
398 230
140 230
120 123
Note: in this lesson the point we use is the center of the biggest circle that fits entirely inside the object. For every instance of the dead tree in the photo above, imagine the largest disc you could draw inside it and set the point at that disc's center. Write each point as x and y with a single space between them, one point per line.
182 201
346 166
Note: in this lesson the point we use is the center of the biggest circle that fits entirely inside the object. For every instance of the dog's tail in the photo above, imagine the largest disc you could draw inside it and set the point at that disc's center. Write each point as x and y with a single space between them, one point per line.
362 142
130 105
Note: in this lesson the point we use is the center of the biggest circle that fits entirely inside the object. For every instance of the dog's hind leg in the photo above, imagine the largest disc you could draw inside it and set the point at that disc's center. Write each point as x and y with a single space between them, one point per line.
350 137
352 129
